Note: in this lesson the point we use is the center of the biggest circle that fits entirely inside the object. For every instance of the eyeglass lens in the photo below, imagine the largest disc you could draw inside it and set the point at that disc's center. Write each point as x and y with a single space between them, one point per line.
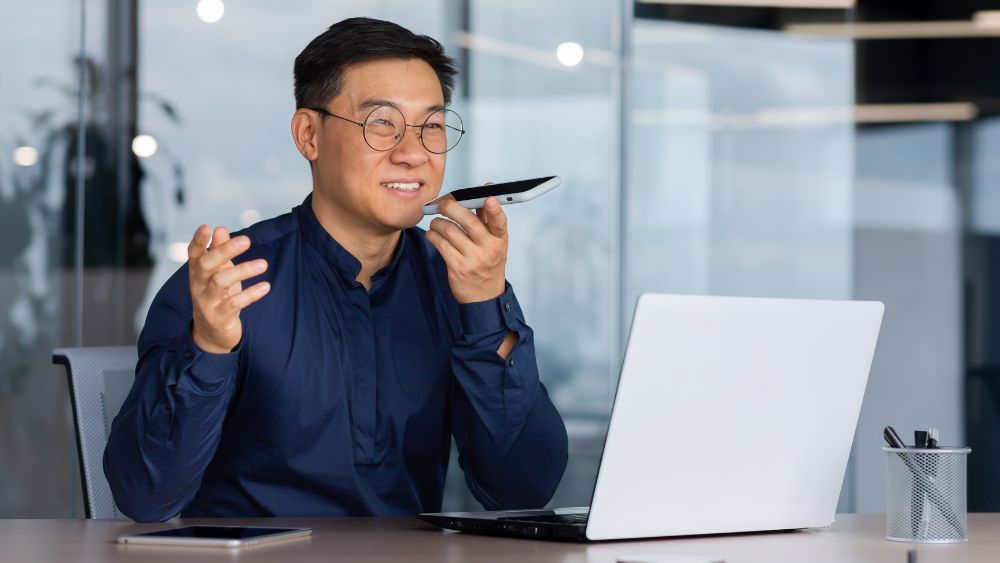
440 132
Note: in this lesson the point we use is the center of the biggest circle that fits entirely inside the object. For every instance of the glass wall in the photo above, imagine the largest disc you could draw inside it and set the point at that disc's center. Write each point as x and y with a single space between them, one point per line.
908 254
740 170
38 136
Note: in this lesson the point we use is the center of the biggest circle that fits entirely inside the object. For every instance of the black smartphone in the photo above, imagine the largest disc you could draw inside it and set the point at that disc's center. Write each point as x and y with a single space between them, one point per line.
215 536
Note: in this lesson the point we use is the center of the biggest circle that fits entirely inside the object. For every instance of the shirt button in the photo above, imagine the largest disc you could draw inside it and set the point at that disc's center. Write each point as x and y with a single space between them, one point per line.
506 306
510 362
187 354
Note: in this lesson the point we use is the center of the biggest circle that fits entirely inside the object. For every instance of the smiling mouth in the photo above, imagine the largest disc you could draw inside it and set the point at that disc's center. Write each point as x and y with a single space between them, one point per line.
402 186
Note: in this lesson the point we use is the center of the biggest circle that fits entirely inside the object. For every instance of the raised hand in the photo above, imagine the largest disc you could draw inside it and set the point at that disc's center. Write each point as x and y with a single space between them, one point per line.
217 293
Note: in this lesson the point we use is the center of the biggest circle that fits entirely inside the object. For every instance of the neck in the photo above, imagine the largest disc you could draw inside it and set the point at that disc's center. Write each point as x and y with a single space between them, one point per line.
373 248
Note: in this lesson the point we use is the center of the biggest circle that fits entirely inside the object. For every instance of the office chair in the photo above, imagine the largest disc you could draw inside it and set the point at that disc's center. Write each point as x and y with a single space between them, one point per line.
99 380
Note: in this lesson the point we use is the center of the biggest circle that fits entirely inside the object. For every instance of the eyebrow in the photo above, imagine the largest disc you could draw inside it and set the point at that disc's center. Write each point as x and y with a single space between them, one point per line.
373 102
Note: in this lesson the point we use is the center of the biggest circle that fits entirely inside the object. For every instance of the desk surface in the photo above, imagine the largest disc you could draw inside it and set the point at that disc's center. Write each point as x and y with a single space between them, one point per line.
852 538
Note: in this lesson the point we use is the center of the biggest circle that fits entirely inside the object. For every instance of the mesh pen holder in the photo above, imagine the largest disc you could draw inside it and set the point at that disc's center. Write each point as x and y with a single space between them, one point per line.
926 495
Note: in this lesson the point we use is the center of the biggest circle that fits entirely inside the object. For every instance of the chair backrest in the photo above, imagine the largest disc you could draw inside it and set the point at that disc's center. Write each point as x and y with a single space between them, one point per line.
99 380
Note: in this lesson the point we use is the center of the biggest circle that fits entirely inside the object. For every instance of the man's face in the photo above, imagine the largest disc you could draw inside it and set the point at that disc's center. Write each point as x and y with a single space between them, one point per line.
365 187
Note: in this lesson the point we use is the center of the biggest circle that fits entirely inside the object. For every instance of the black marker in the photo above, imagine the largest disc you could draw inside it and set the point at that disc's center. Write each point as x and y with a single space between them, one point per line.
892 438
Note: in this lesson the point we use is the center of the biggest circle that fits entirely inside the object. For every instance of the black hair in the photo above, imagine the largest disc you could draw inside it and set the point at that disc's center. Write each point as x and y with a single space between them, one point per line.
319 68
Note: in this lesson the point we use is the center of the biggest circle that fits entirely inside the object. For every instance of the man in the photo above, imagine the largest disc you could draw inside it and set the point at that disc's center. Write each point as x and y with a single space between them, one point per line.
319 363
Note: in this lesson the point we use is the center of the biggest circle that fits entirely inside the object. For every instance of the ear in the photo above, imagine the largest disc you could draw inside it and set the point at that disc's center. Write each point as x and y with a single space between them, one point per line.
305 130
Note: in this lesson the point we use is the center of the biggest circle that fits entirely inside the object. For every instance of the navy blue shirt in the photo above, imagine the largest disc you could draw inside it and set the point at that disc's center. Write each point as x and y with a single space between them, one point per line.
339 400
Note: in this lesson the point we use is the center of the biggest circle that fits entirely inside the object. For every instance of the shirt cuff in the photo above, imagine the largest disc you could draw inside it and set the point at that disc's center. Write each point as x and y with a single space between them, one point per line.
205 367
492 315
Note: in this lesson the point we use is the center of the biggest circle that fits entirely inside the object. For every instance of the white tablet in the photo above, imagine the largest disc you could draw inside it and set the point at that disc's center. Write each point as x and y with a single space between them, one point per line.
215 536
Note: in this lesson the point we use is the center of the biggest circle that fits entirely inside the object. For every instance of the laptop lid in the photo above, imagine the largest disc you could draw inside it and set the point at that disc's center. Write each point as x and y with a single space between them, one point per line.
732 415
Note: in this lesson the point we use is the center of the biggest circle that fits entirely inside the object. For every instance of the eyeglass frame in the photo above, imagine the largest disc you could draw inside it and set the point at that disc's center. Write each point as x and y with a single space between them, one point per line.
326 113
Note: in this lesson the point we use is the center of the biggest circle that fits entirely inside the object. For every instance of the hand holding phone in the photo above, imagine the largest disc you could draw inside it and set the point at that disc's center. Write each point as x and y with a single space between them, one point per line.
474 249
505 193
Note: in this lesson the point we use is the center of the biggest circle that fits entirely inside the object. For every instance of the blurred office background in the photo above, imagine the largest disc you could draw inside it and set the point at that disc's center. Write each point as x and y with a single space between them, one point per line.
793 148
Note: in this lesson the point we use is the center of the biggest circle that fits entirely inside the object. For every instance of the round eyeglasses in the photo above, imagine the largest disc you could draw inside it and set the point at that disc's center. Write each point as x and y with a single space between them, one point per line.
385 126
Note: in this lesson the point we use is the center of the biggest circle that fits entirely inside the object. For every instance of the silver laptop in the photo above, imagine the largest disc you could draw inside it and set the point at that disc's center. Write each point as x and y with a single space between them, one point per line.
732 414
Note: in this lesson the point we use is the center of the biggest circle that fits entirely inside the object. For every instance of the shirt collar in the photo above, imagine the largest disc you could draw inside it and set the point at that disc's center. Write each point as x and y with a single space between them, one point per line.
343 261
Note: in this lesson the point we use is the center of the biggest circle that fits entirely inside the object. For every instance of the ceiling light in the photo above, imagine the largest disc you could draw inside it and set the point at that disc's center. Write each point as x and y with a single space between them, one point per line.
569 53
900 30
25 156
210 11
178 252
987 18
809 116
815 4
144 146
525 53
903 113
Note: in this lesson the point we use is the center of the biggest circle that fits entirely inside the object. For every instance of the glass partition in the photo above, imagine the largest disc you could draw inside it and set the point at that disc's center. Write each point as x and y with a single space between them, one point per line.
39 133
740 163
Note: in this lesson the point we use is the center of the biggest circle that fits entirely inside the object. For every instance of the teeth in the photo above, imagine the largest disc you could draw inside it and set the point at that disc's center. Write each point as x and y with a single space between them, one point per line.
408 186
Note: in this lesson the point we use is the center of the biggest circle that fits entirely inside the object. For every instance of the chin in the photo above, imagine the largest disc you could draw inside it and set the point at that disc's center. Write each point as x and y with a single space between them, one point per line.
413 220
404 220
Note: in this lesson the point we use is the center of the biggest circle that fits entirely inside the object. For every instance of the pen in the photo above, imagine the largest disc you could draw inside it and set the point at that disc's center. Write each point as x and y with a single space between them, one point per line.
919 513
916 502
892 438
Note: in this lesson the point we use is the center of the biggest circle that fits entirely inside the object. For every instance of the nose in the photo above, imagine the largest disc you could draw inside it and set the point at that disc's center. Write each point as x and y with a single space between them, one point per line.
410 149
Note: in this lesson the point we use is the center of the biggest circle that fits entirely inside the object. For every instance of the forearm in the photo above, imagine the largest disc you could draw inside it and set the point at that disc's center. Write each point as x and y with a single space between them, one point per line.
168 429
525 474
512 441
507 345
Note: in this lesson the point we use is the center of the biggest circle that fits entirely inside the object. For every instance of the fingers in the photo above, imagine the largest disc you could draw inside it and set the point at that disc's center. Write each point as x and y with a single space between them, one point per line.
465 219
216 282
236 303
220 236
218 256
199 242
210 256
221 283
203 256
447 250
454 235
